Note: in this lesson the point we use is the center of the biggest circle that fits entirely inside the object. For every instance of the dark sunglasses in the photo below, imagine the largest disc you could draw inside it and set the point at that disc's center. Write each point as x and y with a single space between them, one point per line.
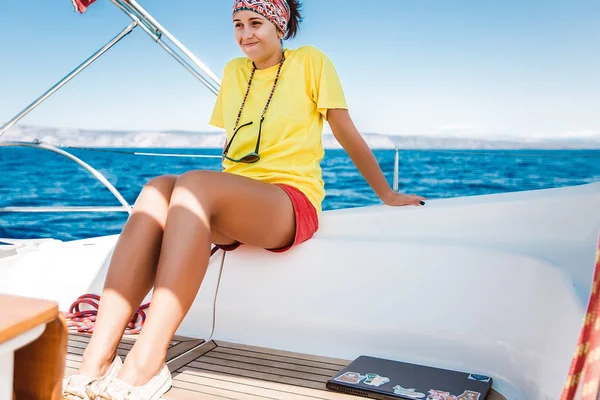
250 157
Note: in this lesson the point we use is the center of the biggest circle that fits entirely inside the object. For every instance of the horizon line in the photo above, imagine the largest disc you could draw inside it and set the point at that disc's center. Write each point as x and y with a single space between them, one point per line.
456 136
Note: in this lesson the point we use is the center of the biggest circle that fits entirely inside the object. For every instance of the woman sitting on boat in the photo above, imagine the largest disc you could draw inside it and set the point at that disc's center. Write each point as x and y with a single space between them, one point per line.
272 104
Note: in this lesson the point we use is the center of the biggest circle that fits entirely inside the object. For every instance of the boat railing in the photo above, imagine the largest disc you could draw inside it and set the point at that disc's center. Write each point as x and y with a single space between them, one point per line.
125 207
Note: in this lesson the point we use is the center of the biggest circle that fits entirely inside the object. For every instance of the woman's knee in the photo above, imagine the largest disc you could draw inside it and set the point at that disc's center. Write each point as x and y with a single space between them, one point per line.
156 191
196 181
195 189
164 184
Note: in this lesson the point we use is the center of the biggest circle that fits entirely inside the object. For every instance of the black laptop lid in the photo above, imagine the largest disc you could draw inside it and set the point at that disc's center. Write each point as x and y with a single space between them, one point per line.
409 381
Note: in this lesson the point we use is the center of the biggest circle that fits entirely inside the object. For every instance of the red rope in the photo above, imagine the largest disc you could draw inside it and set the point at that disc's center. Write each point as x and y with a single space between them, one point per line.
84 320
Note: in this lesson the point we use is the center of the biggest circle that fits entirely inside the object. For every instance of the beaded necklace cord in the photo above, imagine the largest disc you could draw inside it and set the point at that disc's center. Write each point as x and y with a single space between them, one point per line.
248 91
253 157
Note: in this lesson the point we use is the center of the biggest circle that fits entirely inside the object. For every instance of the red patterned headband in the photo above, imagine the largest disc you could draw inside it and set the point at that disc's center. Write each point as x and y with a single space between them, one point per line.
276 11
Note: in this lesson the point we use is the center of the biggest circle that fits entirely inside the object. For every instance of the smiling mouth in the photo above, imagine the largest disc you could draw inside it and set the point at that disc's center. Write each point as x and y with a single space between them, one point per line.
250 44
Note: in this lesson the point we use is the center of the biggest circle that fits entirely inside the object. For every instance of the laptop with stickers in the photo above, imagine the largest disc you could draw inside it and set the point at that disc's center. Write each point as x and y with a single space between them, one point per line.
386 379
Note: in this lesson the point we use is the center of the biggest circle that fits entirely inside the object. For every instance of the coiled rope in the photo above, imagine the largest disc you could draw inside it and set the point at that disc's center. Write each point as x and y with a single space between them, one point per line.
84 320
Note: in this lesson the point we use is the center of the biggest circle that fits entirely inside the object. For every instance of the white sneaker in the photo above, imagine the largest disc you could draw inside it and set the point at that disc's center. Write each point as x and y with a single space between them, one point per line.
77 387
153 390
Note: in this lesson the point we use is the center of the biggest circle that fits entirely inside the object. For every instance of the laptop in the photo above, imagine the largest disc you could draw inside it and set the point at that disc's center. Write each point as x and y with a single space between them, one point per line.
378 378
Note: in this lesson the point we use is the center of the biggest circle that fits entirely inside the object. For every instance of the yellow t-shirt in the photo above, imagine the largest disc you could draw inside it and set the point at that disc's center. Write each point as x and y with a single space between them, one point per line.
291 148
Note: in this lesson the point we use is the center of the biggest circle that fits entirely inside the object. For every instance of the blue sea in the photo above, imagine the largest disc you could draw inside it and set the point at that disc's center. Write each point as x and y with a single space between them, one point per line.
32 177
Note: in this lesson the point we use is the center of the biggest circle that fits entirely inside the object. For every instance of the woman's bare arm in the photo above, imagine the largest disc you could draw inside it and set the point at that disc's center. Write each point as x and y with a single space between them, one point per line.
350 139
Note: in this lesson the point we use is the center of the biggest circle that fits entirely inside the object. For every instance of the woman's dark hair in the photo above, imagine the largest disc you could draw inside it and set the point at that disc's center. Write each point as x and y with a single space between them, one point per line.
295 18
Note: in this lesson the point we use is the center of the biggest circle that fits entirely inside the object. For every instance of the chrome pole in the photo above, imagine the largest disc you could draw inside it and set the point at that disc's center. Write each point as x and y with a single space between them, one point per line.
66 79
39 145
125 7
396 169
155 34
173 39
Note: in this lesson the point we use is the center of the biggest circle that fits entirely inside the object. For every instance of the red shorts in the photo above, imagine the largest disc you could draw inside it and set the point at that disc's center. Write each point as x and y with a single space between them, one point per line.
307 221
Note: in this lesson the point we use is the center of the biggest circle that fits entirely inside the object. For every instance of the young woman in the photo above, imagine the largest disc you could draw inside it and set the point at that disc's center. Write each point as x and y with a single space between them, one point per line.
272 104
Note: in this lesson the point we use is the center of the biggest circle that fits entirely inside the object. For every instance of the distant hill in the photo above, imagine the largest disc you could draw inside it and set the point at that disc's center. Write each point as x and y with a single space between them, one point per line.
185 139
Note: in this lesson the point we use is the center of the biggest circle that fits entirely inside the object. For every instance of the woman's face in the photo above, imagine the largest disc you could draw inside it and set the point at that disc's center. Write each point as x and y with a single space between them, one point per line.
258 38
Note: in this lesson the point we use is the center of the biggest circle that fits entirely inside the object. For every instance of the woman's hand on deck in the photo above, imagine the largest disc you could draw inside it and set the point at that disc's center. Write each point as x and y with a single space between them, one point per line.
392 198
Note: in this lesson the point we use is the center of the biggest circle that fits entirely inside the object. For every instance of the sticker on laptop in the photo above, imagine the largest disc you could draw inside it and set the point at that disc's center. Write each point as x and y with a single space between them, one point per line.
442 395
375 380
480 378
408 392
350 377
469 395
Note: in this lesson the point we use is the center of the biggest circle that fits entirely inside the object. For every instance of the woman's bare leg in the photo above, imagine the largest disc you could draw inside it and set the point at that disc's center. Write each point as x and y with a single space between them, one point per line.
253 212
131 273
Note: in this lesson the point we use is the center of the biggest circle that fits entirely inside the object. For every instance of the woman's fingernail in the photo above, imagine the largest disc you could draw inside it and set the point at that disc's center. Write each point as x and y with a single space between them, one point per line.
422 203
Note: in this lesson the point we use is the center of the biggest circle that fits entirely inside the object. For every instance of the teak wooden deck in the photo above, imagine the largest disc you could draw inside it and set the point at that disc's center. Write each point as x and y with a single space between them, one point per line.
220 370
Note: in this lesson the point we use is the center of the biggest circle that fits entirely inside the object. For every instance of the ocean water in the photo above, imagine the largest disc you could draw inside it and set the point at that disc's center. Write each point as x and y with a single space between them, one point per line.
32 177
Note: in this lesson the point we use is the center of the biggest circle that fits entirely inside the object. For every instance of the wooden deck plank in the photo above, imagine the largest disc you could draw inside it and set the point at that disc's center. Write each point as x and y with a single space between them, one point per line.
71 365
261 376
240 383
181 348
75 345
201 390
233 391
328 360
283 364
279 369
186 394
273 357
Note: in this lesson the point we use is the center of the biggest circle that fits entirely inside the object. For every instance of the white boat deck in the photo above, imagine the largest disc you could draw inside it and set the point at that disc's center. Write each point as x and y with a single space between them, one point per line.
412 284
221 370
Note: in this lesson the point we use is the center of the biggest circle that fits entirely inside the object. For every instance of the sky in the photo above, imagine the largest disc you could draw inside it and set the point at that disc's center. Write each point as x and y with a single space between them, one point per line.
470 68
